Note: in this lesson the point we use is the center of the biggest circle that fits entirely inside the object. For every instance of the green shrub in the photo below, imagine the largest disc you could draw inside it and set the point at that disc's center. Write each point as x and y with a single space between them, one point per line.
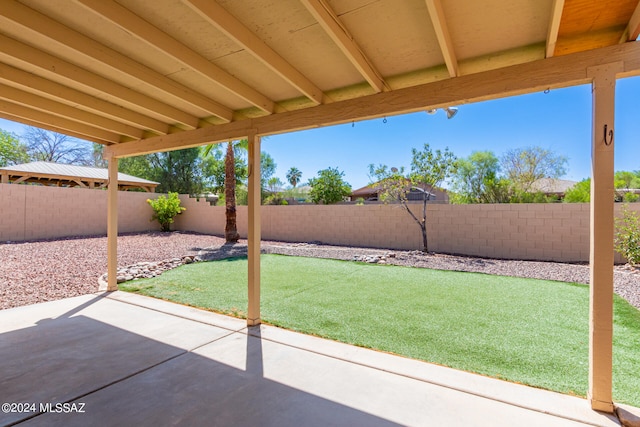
165 209
627 238
275 199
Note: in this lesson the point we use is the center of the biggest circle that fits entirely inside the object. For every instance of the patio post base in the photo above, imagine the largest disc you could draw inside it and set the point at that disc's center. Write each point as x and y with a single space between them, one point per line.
598 405
253 322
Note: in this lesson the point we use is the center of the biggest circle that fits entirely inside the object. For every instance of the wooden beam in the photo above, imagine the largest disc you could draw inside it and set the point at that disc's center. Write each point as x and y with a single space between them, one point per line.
330 22
46 105
81 100
112 225
235 30
31 114
38 23
61 68
556 72
544 74
442 33
253 237
29 122
633 28
601 237
161 41
177 141
554 27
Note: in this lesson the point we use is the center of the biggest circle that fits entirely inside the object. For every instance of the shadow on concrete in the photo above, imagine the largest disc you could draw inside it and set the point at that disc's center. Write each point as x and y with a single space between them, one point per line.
125 379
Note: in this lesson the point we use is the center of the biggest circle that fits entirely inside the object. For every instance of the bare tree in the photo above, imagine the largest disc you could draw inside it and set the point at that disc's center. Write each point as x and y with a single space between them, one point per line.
50 146
524 166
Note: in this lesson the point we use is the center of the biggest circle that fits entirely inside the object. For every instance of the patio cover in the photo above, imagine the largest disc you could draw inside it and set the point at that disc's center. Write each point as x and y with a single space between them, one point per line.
142 76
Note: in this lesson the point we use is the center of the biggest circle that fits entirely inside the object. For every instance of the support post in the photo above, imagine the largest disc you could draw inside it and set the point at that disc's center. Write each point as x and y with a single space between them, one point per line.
253 238
112 225
601 238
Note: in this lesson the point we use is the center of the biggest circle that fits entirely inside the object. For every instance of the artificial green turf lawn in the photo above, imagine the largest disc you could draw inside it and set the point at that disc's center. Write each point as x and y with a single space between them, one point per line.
529 331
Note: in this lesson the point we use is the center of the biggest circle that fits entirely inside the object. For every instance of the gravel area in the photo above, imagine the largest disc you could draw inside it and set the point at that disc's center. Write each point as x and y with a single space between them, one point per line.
47 270
33 272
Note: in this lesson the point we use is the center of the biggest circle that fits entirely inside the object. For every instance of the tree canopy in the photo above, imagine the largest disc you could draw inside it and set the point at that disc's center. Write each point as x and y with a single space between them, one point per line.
293 176
213 166
482 178
623 180
579 193
477 180
12 151
177 171
329 187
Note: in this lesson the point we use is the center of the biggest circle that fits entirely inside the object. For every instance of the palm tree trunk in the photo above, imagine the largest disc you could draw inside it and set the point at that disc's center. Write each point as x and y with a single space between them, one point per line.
231 229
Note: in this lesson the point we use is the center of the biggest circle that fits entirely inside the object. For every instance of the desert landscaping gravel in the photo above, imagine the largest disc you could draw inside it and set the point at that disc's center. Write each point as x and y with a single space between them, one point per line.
39 271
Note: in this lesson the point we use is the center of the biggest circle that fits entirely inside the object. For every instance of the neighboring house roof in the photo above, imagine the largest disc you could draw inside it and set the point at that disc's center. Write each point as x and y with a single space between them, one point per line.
366 191
70 175
375 188
552 185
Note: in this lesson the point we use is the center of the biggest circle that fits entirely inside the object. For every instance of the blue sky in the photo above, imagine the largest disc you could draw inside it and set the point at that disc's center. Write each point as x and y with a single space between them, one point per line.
559 120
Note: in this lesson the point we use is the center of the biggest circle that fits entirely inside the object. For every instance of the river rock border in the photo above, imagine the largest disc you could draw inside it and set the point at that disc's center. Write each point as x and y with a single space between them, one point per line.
146 270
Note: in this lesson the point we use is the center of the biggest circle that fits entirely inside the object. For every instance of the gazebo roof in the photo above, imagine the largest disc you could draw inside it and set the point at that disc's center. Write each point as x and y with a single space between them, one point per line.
61 174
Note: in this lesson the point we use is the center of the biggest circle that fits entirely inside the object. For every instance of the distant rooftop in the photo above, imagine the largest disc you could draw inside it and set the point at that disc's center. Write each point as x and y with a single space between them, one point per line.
62 175
552 185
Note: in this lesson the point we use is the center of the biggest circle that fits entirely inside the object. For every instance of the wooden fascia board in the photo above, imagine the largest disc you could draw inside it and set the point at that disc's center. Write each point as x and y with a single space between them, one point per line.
52 64
79 99
554 27
162 41
518 79
234 29
442 33
41 24
330 22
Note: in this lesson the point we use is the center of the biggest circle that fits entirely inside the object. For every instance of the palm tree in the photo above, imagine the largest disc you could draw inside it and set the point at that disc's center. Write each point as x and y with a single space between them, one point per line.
230 229
293 176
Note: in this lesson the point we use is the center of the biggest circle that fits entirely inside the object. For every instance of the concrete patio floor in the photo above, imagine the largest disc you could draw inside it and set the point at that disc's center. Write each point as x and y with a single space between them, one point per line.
129 360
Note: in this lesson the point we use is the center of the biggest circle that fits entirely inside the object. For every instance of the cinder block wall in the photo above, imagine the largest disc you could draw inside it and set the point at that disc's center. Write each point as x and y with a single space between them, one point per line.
554 232
29 212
